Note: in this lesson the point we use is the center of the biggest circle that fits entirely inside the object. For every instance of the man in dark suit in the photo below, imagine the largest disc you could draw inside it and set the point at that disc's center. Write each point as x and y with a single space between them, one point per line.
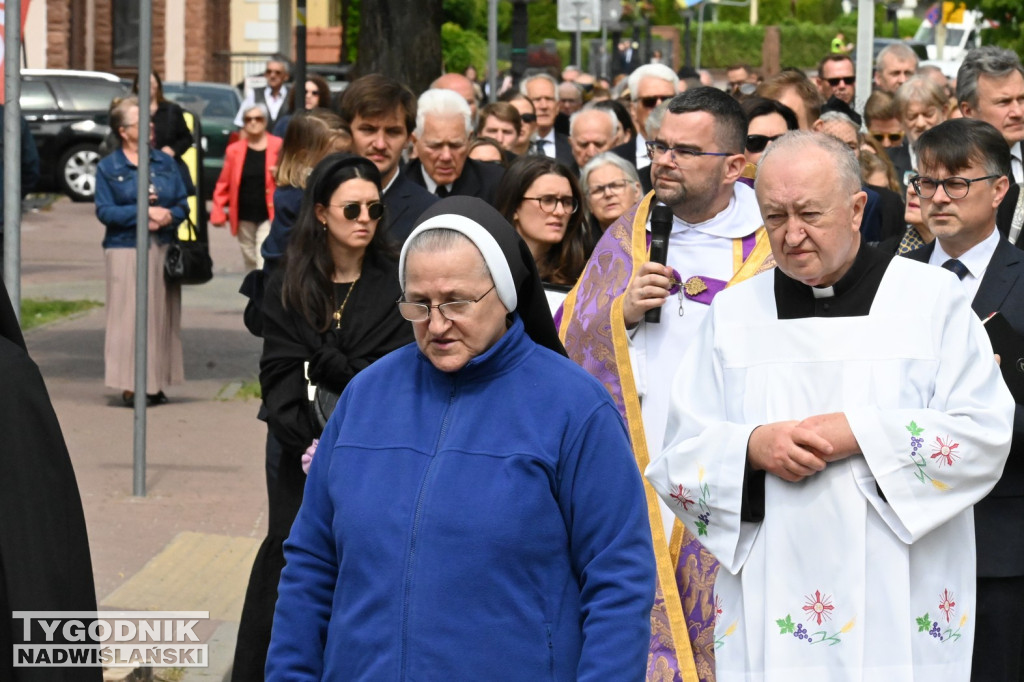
441 140
380 114
971 161
542 91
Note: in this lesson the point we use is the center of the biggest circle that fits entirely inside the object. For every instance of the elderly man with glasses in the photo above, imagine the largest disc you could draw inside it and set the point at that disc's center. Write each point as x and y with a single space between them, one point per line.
715 241
649 86
272 96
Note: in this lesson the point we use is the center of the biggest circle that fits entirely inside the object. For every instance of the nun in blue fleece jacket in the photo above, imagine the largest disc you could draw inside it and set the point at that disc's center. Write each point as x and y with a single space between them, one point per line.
473 510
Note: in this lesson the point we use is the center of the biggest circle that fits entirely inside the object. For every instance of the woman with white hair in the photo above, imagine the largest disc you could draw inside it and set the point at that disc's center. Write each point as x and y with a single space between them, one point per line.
473 508
611 187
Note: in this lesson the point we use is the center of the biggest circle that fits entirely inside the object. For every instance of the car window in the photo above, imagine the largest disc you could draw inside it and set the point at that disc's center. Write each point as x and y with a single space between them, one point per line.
204 101
36 95
89 94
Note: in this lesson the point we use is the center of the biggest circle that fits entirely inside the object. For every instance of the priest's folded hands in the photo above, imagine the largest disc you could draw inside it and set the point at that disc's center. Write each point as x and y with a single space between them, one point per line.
794 450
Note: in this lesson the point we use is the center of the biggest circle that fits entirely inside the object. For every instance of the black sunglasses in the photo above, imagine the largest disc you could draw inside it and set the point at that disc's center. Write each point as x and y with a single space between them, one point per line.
528 118
757 143
894 138
651 102
352 210
849 80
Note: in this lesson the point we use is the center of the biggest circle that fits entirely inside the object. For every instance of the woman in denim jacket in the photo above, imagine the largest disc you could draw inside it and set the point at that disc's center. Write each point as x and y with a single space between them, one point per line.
116 183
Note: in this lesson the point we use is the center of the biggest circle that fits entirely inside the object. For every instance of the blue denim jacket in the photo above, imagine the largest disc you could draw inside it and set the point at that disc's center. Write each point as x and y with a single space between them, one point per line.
116 179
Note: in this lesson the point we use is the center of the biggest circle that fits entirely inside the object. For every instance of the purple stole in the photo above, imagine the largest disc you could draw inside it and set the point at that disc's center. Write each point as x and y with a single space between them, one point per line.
591 327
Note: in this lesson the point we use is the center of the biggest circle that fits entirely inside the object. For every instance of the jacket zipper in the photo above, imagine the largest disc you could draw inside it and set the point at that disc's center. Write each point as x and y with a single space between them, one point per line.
415 528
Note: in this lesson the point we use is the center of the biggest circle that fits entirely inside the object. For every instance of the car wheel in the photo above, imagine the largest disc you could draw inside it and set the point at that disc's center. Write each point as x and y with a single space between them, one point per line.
78 172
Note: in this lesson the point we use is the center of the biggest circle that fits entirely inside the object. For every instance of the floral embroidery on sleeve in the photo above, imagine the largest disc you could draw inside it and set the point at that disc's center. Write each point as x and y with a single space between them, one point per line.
943 453
682 497
819 609
947 606
704 518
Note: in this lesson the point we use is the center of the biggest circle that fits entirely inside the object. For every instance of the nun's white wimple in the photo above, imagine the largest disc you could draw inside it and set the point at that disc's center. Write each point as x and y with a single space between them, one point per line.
504 285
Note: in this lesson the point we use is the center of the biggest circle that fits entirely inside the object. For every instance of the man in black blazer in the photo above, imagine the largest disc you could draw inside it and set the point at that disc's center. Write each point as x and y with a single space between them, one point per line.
380 114
649 86
992 272
441 140
542 90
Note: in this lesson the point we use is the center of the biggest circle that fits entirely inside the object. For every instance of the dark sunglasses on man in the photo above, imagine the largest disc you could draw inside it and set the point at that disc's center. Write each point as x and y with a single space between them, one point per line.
757 143
848 80
651 102
894 138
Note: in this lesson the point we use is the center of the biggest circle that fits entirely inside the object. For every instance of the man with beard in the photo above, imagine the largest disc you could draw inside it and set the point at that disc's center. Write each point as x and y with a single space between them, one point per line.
380 114
716 241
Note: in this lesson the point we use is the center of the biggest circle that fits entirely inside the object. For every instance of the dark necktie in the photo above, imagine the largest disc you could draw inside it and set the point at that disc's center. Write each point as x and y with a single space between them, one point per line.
956 267
538 147
442 191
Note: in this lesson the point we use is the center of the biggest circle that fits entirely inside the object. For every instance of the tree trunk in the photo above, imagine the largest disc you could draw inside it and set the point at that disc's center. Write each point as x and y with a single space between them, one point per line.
402 40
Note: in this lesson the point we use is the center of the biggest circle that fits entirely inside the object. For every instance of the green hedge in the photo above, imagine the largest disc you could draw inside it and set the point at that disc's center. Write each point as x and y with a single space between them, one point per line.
802 45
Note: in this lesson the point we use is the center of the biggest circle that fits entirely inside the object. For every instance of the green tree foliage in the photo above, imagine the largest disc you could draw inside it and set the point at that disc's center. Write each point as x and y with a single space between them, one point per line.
1007 14
460 48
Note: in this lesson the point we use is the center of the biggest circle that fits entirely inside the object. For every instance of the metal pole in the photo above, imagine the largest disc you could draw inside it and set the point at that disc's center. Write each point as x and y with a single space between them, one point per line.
700 37
579 33
604 50
12 153
142 249
492 48
865 44
299 72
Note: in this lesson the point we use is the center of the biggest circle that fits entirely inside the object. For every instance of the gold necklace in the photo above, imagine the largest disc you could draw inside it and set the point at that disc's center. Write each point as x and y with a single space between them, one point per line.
341 310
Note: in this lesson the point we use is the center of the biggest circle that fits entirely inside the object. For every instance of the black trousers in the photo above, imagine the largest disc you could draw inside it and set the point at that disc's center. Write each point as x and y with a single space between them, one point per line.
999 631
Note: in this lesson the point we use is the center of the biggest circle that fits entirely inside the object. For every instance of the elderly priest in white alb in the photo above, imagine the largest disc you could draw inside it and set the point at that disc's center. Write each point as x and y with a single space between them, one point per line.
830 430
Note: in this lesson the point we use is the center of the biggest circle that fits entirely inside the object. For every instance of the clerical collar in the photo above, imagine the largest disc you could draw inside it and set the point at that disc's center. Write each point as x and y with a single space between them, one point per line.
851 296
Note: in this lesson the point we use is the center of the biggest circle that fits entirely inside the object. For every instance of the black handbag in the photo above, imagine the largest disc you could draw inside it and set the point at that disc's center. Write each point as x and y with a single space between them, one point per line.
322 401
188 261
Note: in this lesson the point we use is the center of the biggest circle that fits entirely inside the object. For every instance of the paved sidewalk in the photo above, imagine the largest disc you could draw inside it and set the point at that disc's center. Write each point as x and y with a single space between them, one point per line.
189 543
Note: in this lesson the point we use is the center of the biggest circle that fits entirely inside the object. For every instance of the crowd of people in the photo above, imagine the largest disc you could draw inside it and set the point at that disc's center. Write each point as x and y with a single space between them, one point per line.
455 299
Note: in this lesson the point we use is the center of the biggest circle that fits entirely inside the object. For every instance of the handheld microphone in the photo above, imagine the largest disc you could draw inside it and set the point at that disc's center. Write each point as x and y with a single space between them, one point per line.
661 228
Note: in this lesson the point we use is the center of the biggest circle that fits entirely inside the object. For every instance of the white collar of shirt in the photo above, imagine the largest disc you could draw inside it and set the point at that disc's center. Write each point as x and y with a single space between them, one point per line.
391 182
975 259
549 148
429 181
912 155
641 152
740 218
1016 163
274 104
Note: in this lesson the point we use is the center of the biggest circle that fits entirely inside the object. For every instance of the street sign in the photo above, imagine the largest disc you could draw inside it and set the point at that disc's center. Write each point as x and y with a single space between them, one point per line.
582 15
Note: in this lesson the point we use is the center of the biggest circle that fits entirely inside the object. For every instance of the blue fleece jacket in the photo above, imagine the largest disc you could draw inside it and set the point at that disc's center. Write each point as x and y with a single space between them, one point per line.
488 523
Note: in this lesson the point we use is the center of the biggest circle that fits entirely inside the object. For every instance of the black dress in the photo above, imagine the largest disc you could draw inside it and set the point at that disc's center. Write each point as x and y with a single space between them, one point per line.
370 328
44 550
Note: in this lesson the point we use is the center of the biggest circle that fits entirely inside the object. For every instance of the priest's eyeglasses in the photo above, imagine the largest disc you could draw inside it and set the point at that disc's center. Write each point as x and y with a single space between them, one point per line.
656 149
955 187
455 311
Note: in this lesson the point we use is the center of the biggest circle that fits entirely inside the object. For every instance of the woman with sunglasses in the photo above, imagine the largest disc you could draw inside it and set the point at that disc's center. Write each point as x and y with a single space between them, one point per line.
244 194
769 120
328 313
542 199
317 95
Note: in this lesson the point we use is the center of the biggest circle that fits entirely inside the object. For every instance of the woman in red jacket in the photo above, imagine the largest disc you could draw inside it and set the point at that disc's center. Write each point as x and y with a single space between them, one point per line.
245 189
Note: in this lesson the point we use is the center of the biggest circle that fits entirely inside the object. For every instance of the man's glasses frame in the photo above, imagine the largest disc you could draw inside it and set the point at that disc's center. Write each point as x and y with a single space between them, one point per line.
894 138
955 187
453 311
653 101
834 82
656 148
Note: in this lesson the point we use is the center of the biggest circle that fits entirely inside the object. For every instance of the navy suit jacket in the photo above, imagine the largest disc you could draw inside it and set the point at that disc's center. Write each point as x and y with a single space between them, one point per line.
404 201
997 517
478 179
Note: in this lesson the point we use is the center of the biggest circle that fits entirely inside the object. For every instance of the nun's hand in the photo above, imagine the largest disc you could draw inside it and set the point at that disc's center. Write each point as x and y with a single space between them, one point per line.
647 290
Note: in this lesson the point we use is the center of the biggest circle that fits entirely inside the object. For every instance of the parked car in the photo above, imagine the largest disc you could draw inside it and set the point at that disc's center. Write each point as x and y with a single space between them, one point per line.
68 113
216 105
